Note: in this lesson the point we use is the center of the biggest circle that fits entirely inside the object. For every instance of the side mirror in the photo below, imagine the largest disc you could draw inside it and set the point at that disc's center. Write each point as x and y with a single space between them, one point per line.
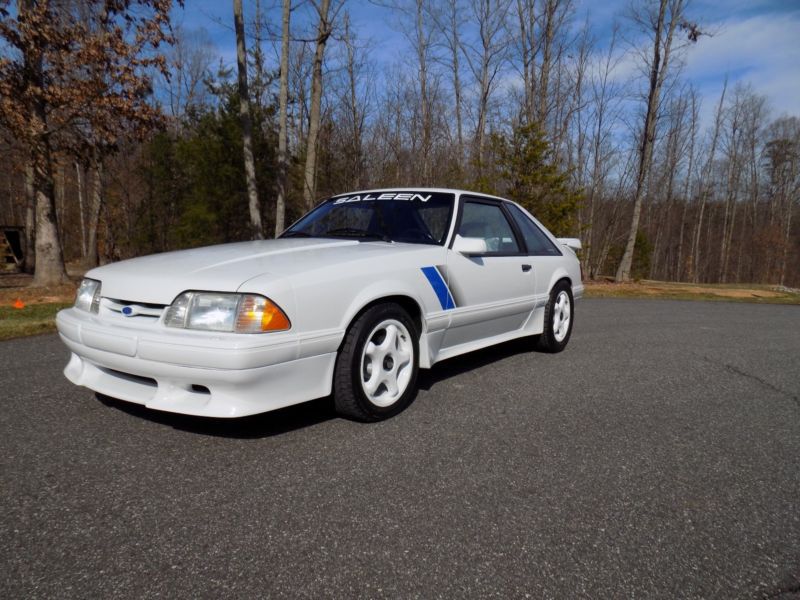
573 243
469 246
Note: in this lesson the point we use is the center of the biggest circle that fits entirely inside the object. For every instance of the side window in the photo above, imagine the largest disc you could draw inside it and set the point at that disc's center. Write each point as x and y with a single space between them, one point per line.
537 242
487 221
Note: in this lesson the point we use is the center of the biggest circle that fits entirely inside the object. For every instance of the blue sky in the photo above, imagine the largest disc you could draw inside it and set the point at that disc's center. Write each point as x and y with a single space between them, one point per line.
756 41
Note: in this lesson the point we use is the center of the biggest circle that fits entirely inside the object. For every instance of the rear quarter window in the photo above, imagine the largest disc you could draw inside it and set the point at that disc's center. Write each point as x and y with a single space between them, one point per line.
535 239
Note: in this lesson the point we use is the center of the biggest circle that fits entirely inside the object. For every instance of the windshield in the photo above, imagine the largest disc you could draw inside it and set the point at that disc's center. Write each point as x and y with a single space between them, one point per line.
396 216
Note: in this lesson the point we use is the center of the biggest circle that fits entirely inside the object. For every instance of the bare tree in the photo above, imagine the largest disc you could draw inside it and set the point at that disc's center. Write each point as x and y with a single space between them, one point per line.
324 29
486 59
783 157
283 108
300 68
353 105
416 16
253 202
672 151
526 15
732 142
449 23
662 25
81 193
704 185
95 206
422 44
694 117
605 94
30 219
753 139
550 22
189 61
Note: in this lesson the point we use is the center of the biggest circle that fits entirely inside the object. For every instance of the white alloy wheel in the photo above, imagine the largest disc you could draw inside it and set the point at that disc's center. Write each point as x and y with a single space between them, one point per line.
561 315
387 363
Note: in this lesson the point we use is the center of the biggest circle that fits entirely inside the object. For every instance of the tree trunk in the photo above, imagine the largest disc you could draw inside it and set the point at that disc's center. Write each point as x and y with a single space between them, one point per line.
600 92
703 187
658 71
353 150
787 231
422 58
728 241
679 261
96 204
523 14
283 103
82 212
687 185
544 70
247 127
310 174
483 109
50 269
490 19
60 194
29 263
455 46
729 214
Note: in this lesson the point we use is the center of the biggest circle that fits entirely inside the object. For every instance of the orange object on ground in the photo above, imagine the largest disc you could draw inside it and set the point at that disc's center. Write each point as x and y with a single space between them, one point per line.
18 304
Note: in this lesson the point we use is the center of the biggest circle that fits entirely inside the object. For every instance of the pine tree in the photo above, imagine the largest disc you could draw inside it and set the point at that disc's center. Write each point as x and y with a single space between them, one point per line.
526 172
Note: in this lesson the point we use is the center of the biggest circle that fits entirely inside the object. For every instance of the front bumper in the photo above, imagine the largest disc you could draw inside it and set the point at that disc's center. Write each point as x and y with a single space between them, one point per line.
196 373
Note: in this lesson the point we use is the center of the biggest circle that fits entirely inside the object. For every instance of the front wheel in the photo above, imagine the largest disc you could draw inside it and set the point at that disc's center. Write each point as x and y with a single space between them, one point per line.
559 316
376 370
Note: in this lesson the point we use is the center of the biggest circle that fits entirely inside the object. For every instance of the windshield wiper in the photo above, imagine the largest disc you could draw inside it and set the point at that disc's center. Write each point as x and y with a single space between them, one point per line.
354 232
290 234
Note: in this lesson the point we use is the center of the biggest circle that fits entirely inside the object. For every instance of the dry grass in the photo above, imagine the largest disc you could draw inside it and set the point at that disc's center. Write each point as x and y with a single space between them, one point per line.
39 306
763 294
16 286
31 320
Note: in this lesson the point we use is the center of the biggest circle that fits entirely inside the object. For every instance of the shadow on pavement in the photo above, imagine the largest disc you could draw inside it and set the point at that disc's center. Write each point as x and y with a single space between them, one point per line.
457 365
314 412
264 425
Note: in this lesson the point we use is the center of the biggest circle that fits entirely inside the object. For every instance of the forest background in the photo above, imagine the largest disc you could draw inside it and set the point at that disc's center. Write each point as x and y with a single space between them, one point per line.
129 127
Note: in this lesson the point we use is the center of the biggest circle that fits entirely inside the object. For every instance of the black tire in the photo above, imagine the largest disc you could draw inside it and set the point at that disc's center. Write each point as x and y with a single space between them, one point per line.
349 396
548 341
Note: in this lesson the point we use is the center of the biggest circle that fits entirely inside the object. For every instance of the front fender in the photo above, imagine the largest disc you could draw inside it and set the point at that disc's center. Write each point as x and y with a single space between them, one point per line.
384 289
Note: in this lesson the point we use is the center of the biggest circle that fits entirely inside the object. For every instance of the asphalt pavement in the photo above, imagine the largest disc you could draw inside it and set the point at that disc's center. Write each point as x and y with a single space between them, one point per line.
657 456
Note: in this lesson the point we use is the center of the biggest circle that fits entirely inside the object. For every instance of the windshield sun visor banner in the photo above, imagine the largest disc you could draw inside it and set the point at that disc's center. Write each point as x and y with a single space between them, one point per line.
395 216
403 195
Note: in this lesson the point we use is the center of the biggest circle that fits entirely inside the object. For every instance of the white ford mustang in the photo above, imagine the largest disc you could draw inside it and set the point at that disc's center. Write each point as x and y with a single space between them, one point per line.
353 299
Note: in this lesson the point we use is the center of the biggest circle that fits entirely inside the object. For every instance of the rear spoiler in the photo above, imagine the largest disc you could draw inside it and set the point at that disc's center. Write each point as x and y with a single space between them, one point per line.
573 243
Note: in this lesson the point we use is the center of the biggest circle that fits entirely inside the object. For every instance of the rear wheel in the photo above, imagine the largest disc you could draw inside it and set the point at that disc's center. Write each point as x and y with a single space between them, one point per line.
376 370
558 319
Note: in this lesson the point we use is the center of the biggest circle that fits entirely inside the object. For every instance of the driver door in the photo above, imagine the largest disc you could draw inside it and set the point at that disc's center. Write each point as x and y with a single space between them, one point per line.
494 292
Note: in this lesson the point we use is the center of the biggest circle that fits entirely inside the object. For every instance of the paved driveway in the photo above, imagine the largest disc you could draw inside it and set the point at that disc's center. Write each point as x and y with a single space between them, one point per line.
658 456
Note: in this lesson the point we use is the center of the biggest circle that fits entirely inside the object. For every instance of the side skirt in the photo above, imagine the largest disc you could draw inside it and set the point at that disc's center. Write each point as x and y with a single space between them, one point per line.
534 325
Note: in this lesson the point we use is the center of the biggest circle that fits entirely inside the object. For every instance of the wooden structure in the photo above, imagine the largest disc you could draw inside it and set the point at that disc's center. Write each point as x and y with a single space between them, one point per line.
11 248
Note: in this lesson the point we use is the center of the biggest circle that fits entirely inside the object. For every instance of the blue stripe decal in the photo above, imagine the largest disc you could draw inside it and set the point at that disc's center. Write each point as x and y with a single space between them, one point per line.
439 287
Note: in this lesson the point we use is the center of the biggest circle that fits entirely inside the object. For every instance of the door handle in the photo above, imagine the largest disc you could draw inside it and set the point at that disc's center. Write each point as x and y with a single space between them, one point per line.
526 268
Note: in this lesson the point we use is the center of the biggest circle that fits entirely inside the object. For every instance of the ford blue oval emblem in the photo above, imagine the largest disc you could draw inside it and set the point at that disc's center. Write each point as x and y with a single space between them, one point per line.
127 311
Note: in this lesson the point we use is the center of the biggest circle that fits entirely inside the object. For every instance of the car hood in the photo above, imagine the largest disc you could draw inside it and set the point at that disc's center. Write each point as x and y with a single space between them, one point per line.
159 278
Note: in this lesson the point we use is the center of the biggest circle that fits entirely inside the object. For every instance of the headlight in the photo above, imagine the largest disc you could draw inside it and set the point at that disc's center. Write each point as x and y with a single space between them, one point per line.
88 296
239 313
